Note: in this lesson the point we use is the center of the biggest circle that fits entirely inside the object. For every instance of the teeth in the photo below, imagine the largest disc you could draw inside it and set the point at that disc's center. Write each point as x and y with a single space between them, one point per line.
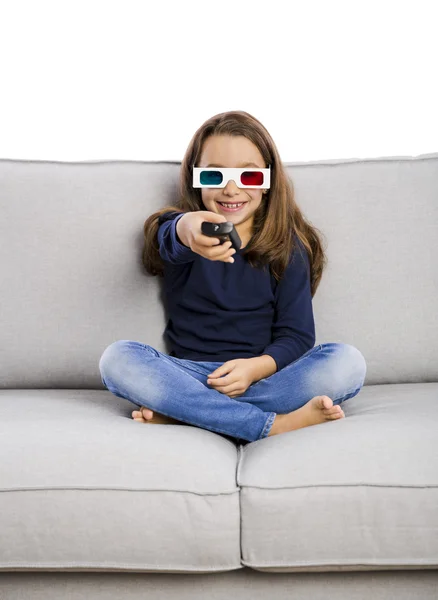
231 205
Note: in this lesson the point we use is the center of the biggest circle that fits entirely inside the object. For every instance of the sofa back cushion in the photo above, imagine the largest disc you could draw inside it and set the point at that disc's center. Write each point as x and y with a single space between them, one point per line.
72 279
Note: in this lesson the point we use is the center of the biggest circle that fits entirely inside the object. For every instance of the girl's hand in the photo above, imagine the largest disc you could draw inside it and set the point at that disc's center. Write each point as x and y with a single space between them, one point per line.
240 377
189 231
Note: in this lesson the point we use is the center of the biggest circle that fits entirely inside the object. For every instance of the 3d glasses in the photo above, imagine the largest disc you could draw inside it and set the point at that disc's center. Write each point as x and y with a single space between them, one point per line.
218 177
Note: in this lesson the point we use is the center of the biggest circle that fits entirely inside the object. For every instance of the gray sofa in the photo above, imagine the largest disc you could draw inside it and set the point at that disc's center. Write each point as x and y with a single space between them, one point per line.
95 505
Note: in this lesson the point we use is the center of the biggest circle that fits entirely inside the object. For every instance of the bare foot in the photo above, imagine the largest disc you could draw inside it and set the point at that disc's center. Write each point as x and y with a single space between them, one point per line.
318 410
146 415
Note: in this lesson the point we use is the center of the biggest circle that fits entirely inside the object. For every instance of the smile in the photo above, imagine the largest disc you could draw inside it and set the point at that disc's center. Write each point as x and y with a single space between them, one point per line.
231 206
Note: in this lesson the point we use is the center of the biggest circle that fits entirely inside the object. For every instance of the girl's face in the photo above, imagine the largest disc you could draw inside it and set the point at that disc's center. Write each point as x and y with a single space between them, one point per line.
237 152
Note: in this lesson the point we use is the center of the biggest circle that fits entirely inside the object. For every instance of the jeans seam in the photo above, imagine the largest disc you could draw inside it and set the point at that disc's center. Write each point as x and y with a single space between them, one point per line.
349 395
186 366
269 423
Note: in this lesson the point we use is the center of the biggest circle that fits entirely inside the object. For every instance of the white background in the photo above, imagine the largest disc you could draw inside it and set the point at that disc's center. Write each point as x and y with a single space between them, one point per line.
131 79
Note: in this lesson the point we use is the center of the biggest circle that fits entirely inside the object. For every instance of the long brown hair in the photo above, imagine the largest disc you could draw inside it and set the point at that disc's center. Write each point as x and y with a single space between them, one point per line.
276 220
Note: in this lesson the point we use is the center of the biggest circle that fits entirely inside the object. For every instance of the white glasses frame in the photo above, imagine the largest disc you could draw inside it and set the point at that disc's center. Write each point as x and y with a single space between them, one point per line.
231 173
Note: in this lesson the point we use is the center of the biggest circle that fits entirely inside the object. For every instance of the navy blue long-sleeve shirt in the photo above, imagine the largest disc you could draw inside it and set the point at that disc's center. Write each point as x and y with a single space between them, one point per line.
222 311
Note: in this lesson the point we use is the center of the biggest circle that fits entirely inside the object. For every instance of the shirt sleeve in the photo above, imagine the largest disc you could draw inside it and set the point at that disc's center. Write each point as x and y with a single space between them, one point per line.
171 248
293 328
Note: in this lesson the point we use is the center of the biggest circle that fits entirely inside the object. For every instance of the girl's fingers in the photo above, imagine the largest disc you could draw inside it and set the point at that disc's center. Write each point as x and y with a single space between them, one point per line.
224 251
228 391
216 386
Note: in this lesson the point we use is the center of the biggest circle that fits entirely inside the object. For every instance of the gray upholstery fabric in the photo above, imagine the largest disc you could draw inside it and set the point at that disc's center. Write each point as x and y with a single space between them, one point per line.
357 493
85 488
245 584
73 282
89 487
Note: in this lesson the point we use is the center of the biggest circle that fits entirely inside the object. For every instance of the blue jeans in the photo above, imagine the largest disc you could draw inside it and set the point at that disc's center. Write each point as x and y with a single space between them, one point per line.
178 388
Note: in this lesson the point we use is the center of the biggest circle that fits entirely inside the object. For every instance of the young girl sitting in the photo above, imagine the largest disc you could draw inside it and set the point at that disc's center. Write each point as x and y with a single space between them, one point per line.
241 328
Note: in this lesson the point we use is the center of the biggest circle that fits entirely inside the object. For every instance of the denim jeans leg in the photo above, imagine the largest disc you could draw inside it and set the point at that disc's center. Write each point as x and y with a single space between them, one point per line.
178 389
335 370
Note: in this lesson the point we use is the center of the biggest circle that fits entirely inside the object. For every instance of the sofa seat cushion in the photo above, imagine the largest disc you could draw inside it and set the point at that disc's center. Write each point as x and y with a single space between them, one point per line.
357 493
85 487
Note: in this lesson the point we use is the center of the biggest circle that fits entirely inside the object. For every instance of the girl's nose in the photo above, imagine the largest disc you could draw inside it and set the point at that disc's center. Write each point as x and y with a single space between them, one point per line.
231 186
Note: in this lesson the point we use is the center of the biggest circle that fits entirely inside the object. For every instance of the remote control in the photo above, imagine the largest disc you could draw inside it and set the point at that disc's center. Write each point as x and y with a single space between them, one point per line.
223 231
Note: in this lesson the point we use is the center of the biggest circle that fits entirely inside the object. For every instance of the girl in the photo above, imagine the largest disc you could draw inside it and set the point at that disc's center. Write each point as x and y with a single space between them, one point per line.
243 362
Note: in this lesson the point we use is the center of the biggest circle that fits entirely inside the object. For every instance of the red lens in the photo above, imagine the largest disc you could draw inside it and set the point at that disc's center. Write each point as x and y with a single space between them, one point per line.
252 178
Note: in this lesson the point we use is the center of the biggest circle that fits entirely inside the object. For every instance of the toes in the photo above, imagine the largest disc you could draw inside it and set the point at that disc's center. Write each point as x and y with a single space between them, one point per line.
147 413
334 410
325 402
137 415
336 415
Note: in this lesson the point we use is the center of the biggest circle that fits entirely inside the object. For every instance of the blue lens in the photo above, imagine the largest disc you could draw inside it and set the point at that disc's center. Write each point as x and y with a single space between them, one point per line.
211 177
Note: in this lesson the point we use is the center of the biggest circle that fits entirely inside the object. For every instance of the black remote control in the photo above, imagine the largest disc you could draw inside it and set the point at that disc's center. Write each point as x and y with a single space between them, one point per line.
223 231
